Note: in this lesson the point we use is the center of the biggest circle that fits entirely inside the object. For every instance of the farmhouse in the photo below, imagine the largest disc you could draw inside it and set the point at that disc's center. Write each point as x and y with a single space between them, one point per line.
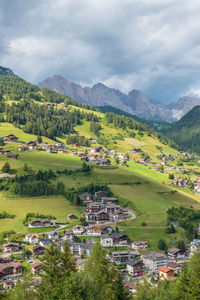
40 223
12 155
38 250
85 197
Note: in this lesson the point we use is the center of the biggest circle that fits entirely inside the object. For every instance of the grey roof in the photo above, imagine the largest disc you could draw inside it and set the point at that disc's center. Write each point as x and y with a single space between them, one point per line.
154 255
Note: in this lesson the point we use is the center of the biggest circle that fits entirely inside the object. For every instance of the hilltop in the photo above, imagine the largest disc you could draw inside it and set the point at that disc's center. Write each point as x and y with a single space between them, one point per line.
131 162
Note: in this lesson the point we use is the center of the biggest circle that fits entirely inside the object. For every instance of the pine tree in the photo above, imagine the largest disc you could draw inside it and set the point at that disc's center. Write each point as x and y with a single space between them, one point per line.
6 168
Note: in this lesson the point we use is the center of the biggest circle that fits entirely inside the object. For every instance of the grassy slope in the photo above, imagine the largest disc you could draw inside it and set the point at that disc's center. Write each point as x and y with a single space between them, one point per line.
150 206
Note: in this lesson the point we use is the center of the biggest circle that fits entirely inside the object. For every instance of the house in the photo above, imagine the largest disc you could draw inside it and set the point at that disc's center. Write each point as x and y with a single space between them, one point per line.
79 248
78 229
45 242
32 238
72 217
11 137
197 186
104 162
69 235
165 273
100 194
194 246
8 284
11 247
153 260
131 286
140 245
53 235
106 229
85 197
12 155
175 253
112 209
5 260
135 267
10 270
94 231
36 267
117 217
101 216
119 257
180 182
94 207
114 239
23 148
40 223
175 267
109 200
136 150
38 250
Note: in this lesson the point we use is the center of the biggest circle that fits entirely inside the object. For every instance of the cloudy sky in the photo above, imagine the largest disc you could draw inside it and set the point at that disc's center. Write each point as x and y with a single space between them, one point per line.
151 45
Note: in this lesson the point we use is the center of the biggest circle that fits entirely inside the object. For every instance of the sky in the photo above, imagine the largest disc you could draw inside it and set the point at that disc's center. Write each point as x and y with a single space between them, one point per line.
149 45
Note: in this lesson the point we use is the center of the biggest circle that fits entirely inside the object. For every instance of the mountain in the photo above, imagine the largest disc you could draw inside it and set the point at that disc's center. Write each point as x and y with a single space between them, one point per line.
135 102
186 132
6 71
99 95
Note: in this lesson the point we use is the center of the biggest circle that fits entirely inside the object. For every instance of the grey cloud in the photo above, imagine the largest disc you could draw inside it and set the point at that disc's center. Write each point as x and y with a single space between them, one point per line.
150 45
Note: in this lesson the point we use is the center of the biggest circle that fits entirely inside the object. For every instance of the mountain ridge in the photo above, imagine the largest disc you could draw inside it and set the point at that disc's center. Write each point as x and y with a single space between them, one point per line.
135 102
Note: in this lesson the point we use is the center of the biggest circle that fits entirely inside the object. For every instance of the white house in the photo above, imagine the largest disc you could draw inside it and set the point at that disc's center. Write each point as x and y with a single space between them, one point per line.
32 238
78 229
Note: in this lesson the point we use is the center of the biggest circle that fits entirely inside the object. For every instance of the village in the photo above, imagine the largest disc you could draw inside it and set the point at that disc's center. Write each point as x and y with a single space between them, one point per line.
133 259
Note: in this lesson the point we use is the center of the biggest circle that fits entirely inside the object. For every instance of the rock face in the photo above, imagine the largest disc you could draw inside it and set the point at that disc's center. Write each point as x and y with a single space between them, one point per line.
135 102
6 71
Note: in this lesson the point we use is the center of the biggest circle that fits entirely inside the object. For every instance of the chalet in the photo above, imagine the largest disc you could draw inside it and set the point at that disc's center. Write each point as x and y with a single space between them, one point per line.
175 253
100 194
69 235
78 229
80 248
194 246
153 260
109 200
11 137
94 207
10 270
114 239
12 155
136 150
11 247
104 162
119 257
32 238
5 260
118 217
40 223
94 231
165 273
112 209
131 286
45 242
101 216
85 197
106 229
197 186
140 245
175 267
8 284
3 151
53 235
72 217
36 267
134 267
180 182
38 250
23 149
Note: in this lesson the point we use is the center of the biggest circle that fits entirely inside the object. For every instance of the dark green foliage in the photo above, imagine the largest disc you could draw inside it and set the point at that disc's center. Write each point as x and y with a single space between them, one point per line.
171 176
182 214
5 215
186 132
6 168
2 142
77 139
170 229
31 216
181 245
161 245
95 128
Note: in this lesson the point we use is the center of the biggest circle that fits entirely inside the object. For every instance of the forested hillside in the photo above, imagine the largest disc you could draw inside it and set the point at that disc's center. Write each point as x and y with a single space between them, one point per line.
186 132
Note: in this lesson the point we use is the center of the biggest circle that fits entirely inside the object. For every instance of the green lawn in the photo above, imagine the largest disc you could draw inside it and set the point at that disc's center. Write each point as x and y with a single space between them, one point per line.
57 206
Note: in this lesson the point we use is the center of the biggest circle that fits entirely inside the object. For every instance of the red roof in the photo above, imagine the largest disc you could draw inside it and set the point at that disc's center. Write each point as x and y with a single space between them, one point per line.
165 269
